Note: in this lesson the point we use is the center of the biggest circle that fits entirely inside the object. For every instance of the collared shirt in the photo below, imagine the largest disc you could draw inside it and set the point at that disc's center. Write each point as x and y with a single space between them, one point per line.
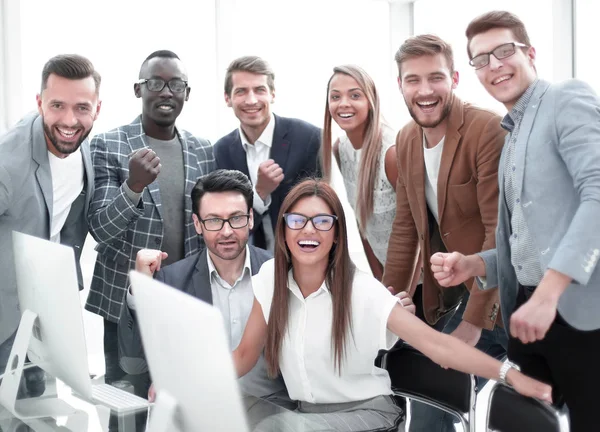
306 359
523 252
235 303
256 154
433 159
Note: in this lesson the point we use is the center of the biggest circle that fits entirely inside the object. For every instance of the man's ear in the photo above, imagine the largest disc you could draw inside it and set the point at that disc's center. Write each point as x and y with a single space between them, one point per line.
227 99
98 107
197 223
251 220
187 93
137 90
38 99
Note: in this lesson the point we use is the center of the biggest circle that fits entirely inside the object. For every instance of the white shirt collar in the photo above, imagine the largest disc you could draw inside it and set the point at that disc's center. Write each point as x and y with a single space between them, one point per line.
295 289
212 270
266 138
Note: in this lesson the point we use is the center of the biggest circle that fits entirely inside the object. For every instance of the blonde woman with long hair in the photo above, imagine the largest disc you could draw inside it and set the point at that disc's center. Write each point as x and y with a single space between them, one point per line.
365 155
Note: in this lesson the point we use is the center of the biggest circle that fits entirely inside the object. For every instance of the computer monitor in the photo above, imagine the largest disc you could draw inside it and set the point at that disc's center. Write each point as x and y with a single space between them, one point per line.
51 331
189 359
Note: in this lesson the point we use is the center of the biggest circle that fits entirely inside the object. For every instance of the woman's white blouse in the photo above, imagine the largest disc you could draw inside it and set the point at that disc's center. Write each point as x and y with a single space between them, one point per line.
306 359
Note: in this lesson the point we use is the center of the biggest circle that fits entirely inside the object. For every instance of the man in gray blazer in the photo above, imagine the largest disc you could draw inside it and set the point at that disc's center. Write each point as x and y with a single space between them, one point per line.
46 175
145 172
221 274
547 239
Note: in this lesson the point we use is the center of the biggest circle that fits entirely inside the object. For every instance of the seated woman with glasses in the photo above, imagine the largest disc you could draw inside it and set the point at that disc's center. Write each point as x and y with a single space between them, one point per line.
321 323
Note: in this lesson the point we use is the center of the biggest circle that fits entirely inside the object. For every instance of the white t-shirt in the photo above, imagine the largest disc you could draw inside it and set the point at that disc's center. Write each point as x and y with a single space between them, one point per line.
306 359
67 184
433 158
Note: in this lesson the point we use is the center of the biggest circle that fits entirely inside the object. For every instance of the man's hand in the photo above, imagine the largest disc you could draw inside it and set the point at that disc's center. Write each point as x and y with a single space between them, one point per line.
270 175
451 269
467 333
144 167
147 261
151 393
533 319
405 300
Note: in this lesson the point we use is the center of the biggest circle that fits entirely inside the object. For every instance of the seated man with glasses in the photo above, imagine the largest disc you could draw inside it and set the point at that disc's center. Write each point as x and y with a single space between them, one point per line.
221 274
144 175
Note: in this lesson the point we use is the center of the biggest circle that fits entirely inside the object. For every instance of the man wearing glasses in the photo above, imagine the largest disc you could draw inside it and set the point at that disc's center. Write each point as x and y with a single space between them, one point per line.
144 172
221 274
547 241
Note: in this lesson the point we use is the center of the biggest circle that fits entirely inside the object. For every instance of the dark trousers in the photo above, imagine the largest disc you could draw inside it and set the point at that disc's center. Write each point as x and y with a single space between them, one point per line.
568 359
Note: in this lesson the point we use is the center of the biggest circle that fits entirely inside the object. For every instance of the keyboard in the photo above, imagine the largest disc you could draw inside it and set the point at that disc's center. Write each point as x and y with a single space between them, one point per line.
117 399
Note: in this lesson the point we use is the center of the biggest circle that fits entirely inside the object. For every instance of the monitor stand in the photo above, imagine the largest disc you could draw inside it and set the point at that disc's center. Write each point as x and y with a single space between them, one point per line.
163 416
32 408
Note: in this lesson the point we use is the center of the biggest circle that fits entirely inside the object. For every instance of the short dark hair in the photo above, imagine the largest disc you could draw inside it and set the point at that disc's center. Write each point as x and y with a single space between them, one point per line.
252 64
70 66
497 19
424 45
159 54
222 180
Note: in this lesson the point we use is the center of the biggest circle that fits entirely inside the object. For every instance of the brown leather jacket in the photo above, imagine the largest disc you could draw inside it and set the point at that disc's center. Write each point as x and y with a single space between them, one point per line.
467 208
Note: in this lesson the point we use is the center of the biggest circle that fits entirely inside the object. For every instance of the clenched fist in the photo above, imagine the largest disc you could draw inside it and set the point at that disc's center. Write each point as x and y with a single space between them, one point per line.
144 167
269 176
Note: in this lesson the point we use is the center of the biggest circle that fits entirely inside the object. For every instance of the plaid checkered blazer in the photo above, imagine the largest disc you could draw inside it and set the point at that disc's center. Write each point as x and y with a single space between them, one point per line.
122 228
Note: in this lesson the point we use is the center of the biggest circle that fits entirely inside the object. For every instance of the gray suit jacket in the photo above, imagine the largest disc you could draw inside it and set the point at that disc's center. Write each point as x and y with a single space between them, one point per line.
191 275
558 183
26 206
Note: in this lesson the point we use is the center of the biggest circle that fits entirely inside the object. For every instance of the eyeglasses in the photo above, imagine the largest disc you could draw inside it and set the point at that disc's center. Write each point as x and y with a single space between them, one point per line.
500 52
176 85
235 222
321 222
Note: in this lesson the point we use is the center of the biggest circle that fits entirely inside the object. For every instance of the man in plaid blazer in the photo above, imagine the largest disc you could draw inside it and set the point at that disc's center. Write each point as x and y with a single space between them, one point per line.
145 172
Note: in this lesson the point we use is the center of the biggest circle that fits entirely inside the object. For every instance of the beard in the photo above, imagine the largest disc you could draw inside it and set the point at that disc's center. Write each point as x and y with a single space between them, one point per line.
435 122
64 147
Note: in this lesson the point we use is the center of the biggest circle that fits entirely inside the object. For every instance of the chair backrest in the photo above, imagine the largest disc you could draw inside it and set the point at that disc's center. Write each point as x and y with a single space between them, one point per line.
416 376
509 411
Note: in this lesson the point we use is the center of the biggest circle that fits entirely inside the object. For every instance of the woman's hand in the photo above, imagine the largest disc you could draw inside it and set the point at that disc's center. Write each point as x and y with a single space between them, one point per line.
151 393
528 386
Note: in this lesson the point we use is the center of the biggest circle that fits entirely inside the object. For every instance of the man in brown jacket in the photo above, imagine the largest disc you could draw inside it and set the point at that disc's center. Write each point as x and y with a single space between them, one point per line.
447 200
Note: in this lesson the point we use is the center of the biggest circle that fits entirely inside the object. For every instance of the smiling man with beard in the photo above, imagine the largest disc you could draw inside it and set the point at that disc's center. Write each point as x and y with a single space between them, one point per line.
46 179
447 200
145 172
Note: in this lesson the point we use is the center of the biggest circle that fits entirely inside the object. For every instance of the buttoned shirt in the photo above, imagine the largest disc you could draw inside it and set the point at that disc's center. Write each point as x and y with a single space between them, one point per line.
523 251
307 356
256 154
235 303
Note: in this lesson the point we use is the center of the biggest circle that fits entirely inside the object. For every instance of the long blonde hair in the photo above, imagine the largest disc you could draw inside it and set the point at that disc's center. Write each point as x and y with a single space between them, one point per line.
340 273
371 146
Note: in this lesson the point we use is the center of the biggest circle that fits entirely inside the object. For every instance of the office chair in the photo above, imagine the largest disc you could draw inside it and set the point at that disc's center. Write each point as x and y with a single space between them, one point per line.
508 411
416 377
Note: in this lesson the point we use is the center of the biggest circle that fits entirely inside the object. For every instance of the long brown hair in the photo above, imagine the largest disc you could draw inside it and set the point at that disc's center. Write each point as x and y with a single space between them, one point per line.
340 273
371 146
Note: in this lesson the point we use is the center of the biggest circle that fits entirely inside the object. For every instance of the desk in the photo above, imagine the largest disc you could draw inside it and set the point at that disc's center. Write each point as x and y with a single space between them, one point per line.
263 416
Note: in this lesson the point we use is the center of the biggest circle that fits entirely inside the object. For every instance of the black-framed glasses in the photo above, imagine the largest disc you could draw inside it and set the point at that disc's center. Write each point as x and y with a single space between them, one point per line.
321 222
235 222
500 52
176 85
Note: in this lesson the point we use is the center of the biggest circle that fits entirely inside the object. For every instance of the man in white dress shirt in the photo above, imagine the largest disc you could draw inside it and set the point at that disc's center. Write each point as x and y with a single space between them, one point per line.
274 152
221 274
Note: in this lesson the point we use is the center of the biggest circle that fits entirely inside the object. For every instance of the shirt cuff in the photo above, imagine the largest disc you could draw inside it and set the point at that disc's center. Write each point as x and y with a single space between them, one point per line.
134 197
481 282
261 206
130 300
